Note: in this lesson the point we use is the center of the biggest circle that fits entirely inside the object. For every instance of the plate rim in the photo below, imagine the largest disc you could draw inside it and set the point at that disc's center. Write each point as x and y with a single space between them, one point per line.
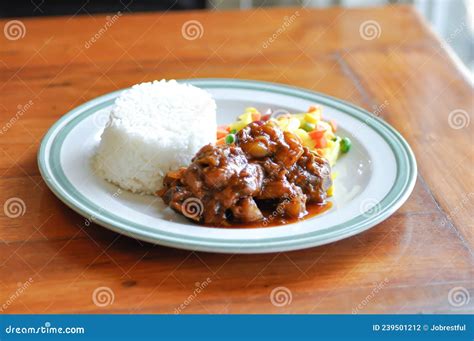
401 188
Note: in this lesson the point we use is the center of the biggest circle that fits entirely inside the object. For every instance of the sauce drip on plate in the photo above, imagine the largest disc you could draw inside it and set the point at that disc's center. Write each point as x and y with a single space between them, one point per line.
277 220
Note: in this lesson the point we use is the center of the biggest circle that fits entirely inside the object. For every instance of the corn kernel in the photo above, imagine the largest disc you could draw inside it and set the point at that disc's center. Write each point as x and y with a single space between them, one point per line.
311 117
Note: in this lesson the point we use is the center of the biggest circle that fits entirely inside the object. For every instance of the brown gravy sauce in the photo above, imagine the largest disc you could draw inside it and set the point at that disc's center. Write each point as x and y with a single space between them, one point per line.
272 220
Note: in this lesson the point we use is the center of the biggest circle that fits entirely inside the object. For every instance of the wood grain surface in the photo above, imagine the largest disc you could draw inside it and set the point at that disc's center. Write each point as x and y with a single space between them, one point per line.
420 260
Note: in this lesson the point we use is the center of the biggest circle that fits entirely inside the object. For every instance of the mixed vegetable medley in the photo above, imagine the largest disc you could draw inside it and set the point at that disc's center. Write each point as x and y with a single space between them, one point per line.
315 133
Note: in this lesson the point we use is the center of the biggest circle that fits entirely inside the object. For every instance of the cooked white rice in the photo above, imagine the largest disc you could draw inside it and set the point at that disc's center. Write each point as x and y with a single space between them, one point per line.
153 128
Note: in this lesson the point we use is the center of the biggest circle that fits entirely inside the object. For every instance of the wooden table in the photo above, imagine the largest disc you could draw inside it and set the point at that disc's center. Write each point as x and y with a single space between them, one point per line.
408 264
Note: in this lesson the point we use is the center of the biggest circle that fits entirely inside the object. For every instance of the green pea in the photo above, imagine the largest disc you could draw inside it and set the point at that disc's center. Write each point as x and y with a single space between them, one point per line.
233 131
308 126
229 139
346 144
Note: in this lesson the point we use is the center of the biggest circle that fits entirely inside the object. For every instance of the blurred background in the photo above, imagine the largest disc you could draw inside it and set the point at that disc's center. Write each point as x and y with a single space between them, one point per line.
451 19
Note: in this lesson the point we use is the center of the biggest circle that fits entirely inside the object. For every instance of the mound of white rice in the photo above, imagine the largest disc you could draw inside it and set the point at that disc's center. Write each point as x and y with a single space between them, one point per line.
153 128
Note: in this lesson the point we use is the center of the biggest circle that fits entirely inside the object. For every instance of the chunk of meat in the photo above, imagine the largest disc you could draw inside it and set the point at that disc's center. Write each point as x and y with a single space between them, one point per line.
312 174
266 167
246 210
267 140
293 206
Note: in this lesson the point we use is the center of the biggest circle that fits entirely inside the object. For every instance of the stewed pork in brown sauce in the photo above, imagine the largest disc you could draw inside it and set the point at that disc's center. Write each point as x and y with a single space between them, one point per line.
266 169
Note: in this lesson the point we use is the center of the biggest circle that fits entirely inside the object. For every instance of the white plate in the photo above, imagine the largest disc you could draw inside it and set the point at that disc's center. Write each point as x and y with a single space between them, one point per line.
374 178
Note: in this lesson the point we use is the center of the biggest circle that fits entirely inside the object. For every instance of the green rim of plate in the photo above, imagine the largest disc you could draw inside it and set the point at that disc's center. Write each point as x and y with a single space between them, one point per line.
53 174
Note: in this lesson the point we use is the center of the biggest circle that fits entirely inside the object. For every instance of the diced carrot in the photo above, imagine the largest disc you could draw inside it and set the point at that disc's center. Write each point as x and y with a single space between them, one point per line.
321 143
221 133
266 117
333 125
256 116
312 108
225 127
316 134
221 141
